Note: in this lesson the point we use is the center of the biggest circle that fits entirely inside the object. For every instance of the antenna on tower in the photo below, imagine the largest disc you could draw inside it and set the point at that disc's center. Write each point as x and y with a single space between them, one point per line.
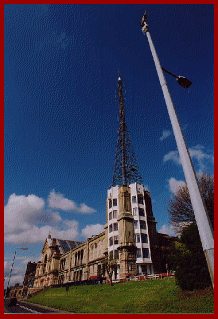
119 78
126 169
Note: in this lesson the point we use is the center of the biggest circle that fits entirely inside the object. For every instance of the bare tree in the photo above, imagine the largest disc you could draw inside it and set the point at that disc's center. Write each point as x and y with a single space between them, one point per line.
110 266
180 207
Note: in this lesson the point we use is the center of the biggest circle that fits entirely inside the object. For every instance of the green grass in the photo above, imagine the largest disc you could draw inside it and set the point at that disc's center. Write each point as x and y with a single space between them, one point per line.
156 296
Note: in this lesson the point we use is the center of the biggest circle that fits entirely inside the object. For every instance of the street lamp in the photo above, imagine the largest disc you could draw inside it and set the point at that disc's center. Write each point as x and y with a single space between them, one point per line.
200 212
12 268
184 82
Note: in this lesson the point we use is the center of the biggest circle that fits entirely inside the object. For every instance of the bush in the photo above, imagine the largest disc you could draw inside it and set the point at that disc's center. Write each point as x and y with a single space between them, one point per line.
191 266
192 276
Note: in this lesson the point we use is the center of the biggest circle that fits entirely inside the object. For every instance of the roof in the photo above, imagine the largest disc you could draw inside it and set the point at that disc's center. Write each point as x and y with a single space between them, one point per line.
65 245
62 244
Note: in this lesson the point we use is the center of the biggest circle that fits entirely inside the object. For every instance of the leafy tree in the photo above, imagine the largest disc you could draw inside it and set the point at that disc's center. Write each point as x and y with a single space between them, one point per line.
180 207
189 261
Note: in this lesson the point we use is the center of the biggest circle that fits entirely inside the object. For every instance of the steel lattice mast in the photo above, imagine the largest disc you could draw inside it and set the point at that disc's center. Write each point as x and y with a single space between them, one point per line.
126 169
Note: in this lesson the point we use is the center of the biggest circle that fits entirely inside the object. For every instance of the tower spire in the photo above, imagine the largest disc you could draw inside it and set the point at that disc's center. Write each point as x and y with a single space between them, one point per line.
126 170
122 130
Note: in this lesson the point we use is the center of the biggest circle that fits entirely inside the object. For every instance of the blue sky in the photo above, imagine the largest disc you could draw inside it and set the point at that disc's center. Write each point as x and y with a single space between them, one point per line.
61 112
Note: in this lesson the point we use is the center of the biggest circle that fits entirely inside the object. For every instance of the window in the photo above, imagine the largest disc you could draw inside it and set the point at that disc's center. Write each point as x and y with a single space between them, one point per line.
99 270
142 224
116 240
114 202
116 254
111 241
63 263
145 252
138 253
141 212
144 238
134 199
110 215
115 214
134 211
136 224
115 226
137 238
140 199
103 270
144 269
111 254
110 203
91 254
110 228
96 245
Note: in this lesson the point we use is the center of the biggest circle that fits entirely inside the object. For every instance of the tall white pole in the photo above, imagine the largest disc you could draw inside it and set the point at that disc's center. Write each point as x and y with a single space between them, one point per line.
10 274
201 216
11 270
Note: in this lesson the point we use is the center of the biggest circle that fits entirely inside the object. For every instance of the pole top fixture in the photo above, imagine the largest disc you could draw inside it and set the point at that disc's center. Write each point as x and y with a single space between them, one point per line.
119 78
144 23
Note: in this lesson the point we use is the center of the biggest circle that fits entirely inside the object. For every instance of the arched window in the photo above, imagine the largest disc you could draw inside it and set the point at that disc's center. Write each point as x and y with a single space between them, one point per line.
91 252
78 258
45 261
81 256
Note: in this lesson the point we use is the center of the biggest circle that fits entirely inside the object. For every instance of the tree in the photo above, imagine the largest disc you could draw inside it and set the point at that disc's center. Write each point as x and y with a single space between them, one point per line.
189 261
180 207
110 266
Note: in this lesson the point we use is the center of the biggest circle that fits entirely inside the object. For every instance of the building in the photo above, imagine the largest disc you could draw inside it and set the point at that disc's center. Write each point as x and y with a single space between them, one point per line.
48 270
130 240
127 229
29 276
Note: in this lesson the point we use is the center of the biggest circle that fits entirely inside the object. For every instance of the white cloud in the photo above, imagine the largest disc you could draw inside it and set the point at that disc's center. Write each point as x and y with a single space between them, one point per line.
23 218
172 156
175 184
37 234
197 153
165 229
7 266
90 230
21 211
58 201
17 274
165 134
84 209
15 278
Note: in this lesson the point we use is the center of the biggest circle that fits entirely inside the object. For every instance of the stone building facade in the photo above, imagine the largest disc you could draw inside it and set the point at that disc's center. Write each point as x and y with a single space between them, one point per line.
80 262
126 240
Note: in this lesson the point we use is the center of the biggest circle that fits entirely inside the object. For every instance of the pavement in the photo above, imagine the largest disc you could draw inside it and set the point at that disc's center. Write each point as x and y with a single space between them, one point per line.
26 307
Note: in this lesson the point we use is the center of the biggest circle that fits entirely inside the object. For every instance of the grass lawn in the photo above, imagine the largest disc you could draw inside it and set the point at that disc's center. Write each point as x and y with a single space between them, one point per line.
151 296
